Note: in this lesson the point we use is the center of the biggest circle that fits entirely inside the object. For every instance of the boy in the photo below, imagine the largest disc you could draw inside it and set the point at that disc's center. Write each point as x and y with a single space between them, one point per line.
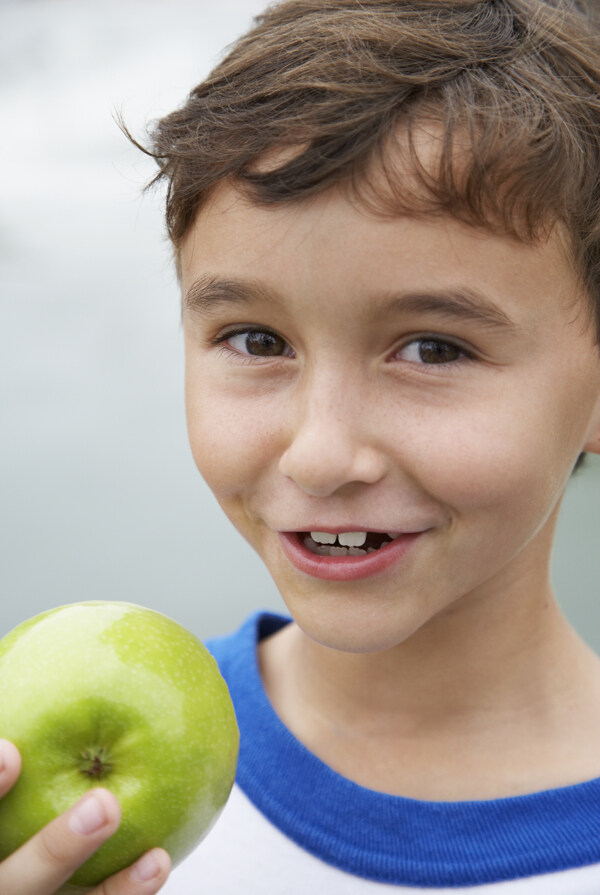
386 220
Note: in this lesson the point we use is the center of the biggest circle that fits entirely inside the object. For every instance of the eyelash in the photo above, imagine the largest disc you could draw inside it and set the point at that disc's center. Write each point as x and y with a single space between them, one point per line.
220 341
244 358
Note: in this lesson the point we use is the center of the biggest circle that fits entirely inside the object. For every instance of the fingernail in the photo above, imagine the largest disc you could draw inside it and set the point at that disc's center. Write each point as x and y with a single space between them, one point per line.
88 816
145 869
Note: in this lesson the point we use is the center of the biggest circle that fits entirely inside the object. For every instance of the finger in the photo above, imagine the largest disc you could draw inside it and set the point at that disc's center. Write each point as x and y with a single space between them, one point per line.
53 855
10 766
146 877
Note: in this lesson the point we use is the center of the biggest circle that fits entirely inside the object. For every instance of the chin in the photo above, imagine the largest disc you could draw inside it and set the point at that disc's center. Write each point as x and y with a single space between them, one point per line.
353 629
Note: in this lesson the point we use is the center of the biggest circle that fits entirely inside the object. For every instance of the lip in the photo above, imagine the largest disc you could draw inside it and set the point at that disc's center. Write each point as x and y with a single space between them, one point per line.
345 568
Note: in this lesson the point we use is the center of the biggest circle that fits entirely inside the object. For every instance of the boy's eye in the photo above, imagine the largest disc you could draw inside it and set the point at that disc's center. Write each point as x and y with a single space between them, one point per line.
258 343
431 351
262 343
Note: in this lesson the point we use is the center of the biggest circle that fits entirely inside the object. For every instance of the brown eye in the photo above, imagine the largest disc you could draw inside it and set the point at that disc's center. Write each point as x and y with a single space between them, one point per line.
434 352
259 343
431 351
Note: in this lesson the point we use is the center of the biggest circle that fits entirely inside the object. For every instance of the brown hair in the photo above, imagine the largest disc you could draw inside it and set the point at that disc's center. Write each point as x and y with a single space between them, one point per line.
512 88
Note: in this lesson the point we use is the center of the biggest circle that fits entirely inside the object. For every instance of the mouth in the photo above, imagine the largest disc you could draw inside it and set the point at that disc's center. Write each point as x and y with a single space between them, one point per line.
346 556
351 543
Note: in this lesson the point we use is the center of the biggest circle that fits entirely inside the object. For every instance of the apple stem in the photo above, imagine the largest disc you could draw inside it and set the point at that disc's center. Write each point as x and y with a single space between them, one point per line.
95 763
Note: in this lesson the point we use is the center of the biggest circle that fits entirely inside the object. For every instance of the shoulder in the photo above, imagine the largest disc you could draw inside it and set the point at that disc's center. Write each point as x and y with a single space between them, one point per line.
237 650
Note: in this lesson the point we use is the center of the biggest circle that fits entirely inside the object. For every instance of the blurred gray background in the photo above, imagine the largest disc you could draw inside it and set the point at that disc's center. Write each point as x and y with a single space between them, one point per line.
100 498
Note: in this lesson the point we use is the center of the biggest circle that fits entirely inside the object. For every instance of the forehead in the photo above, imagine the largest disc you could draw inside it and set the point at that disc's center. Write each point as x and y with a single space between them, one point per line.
332 247
390 211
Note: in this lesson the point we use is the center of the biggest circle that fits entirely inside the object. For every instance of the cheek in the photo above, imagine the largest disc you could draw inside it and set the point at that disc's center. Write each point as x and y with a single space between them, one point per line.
231 440
511 464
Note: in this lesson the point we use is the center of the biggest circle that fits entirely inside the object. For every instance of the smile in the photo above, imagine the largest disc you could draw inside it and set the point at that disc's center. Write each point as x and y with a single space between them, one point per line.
347 543
345 556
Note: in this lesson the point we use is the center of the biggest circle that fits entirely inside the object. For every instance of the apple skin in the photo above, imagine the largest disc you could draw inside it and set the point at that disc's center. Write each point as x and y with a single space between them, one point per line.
130 681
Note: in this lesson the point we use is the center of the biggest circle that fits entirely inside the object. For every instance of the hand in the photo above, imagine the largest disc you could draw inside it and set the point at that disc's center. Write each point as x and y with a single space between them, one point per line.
53 855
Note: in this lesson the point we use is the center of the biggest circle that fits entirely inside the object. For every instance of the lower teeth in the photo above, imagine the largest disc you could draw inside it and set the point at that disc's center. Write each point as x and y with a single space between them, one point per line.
346 551
328 550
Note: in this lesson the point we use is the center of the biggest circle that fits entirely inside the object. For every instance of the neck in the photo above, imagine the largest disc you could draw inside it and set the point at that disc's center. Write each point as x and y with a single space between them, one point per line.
512 656
495 695
502 676
515 659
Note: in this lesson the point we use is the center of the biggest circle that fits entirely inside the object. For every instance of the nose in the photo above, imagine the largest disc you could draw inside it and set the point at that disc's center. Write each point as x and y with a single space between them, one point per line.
331 441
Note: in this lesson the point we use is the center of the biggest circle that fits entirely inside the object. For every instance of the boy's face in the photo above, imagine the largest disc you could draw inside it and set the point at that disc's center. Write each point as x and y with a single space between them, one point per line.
400 376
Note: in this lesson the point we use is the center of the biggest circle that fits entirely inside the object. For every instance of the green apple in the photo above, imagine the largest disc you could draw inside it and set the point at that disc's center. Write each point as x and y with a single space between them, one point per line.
112 694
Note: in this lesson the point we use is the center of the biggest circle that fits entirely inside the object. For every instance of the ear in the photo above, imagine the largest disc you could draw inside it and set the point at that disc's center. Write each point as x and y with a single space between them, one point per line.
592 444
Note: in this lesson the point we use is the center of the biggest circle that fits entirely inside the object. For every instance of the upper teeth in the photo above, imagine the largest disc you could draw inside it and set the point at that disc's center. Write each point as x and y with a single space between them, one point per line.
345 538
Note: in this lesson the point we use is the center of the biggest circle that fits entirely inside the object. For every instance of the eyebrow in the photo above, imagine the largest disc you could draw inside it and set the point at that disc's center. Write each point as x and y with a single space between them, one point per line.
207 293
463 303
